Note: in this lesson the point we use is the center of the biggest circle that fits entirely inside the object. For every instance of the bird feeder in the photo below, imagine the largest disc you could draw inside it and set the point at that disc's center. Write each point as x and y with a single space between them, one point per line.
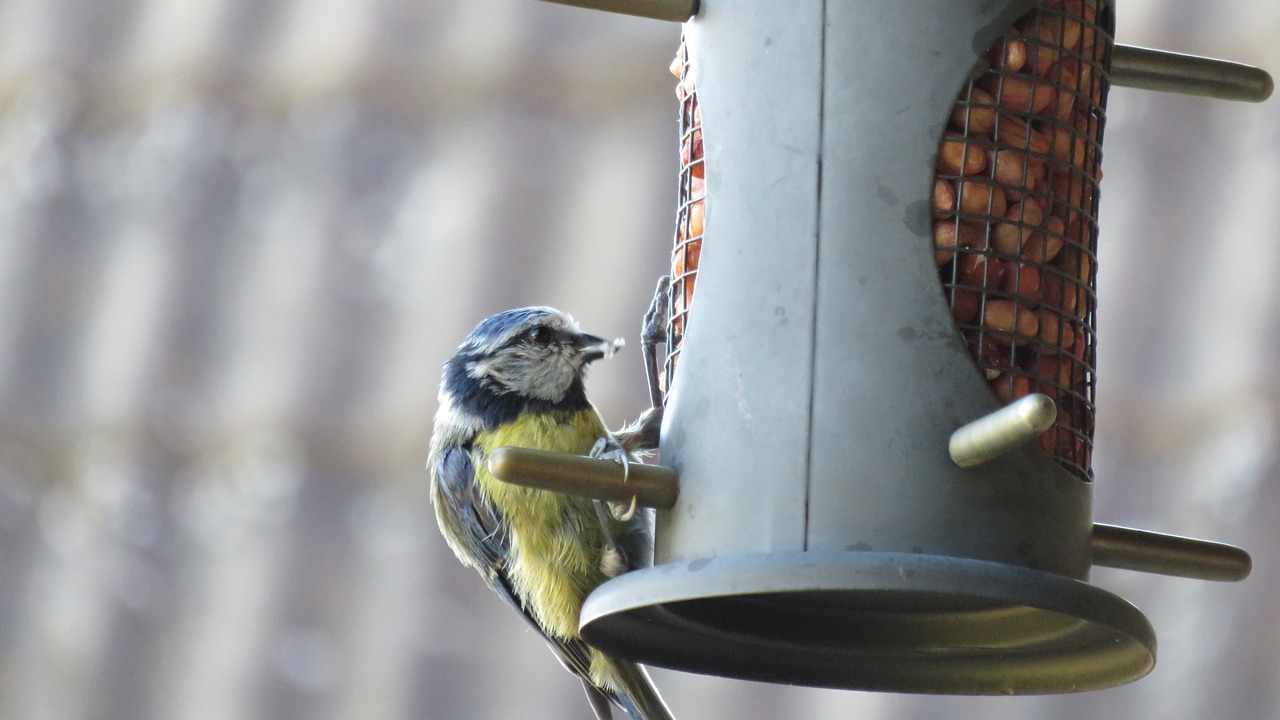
880 398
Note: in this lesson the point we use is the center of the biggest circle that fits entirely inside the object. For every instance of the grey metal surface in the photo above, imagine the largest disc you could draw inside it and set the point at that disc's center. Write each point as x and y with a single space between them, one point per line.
736 426
1152 552
821 375
875 621
1171 72
991 436
892 377
672 10
820 381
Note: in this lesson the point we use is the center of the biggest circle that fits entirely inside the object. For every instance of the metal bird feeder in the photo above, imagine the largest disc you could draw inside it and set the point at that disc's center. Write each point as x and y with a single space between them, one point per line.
880 403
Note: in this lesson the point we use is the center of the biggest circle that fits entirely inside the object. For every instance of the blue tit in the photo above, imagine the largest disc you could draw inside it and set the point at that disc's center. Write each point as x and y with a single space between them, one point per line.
517 380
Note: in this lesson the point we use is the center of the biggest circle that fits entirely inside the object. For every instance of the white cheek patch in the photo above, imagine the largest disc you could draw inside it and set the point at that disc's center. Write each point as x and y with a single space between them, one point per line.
501 373
549 377
536 374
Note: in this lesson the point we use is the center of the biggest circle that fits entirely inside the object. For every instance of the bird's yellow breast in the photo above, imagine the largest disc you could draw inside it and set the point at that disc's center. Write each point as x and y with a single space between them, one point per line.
556 539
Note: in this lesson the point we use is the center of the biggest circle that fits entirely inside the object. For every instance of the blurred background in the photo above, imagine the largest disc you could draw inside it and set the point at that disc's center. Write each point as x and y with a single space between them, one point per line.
238 238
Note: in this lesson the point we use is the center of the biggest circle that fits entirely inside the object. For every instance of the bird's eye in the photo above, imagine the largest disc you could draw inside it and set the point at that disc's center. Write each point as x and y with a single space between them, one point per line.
539 336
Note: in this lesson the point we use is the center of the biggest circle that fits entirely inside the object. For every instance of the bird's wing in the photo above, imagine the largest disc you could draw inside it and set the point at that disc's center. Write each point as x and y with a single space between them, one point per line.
488 543
484 537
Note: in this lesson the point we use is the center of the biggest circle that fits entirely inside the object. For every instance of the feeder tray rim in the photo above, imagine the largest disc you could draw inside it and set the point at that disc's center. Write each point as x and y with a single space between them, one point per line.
1065 635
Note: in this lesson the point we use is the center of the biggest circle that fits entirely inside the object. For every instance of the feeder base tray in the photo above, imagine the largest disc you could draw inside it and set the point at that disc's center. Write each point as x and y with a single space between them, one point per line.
873 621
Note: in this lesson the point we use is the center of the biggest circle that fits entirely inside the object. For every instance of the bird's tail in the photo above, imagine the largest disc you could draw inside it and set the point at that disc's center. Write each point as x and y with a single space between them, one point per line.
640 699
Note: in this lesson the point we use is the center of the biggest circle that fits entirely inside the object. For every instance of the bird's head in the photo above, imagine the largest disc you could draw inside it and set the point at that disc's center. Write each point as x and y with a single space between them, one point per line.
535 353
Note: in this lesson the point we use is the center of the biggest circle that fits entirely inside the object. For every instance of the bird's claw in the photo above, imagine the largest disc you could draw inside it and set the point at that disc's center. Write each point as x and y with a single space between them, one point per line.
654 331
609 449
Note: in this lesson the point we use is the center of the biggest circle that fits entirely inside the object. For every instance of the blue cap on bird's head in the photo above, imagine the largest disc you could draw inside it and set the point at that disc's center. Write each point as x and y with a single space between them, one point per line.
538 325
500 328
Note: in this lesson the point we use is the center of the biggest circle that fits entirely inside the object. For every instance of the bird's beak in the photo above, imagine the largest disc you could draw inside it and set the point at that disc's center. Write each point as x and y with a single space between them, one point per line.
592 347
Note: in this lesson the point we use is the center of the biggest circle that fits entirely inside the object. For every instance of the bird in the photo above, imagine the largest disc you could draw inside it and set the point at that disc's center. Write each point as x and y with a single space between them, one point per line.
518 380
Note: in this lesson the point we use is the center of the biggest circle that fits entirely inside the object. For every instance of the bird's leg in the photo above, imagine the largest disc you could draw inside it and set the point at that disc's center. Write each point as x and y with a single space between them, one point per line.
607 448
610 547
610 556
654 331
643 435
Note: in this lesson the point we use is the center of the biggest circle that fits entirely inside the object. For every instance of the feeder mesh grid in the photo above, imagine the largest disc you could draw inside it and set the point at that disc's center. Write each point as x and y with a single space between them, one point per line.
1015 207
691 204
1015 203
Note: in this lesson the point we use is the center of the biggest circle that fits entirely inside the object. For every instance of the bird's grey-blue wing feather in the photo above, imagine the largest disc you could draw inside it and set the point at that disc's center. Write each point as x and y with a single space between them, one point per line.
486 538
489 543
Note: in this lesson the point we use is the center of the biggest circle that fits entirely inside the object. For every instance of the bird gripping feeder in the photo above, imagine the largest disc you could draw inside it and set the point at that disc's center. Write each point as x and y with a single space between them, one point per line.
862 501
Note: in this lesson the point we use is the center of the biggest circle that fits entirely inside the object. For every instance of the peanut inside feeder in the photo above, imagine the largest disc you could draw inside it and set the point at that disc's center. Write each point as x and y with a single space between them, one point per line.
1015 203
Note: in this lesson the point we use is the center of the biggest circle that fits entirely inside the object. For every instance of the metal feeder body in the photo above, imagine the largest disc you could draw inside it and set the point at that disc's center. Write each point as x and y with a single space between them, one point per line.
824 536
857 508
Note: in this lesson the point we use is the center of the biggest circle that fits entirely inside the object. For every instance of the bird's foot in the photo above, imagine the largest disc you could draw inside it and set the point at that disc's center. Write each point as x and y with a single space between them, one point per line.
654 331
609 449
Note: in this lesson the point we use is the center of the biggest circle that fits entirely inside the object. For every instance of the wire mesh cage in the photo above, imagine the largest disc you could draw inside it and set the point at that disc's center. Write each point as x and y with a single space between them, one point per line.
691 207
1015 205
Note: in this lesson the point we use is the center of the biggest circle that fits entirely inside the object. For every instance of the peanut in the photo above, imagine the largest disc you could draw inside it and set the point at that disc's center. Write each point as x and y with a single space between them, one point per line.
1019 93
1024 283
1071 194
964 305
1041 247
951 234
991 356
1015 168
1010 322
1010 386
1016 133
978 271
1058 292
1048 31
944 198
1021 220
1068 145
695 219
1055 373
980 198
977 115
957 156
1009 54
1059 335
